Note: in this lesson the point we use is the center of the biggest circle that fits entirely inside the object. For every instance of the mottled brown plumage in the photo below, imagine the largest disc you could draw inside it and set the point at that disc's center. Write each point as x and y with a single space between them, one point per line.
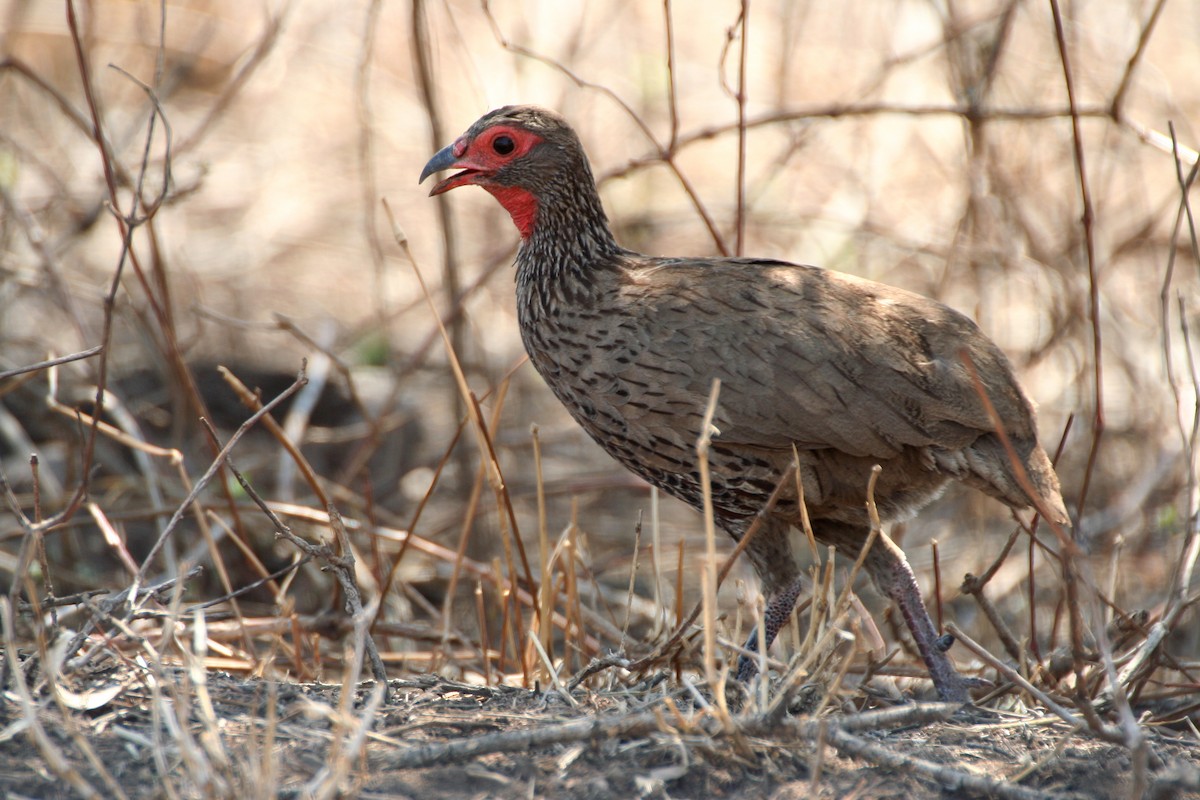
849 372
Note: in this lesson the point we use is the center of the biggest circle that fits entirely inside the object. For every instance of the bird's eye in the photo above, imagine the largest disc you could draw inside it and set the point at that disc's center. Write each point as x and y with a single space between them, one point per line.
503 145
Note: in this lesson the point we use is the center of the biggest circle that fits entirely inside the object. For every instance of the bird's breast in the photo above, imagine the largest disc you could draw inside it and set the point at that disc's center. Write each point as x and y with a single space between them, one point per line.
635 402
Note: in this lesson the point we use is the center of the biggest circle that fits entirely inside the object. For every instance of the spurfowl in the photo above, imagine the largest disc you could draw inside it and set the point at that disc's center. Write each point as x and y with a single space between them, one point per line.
848 372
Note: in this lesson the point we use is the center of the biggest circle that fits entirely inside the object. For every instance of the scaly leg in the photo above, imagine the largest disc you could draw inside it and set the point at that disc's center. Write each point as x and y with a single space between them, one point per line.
778 609
894 577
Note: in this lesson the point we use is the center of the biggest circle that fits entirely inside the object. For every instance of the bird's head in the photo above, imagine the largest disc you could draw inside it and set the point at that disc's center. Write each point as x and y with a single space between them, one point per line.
517 153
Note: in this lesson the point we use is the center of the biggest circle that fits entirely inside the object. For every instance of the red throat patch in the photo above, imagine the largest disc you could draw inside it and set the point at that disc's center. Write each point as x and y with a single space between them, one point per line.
520 205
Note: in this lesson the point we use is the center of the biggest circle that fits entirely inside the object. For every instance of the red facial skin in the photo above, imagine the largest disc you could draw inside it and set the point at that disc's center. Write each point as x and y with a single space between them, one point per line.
480 162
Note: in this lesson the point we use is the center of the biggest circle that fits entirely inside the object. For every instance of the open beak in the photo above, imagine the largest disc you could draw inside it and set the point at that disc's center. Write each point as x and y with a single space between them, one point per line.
446 159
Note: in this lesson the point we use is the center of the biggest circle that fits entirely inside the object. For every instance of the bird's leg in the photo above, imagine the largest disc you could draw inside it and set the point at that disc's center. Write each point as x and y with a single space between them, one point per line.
770 551
894 577
779 608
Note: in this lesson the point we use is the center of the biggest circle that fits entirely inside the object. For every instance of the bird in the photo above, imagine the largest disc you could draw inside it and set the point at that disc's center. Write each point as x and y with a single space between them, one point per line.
820 371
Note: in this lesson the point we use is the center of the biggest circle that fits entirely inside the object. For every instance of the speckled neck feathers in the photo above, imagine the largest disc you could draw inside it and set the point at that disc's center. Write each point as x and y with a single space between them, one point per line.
570 243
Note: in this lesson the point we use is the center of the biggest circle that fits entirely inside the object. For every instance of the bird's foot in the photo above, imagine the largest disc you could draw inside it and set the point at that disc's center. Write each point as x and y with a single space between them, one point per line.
951 686
747 666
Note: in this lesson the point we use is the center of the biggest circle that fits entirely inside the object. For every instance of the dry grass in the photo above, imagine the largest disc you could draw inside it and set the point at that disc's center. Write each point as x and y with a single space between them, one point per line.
205 189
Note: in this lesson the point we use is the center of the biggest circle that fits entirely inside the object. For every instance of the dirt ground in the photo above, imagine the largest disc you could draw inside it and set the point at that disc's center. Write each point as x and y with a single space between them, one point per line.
231 736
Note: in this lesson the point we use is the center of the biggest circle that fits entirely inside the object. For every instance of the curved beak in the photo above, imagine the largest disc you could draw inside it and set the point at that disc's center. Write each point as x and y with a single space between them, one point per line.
447 158
444 159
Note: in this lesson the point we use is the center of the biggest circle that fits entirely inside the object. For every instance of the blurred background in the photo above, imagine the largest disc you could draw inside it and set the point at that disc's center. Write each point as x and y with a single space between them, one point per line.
229 214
